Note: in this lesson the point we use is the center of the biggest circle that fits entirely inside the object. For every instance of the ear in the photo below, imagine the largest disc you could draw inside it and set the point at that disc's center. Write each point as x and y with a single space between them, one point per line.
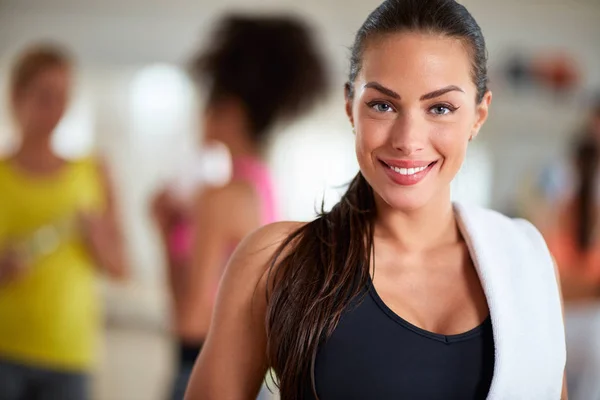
482 112
349 101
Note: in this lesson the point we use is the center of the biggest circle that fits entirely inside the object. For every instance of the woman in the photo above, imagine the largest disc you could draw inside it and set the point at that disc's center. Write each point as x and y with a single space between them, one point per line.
57 228
573 240
257 72
558 180
395 293
572 236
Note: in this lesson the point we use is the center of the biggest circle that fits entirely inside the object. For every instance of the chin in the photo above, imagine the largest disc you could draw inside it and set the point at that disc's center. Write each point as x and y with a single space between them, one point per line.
46 126
406 200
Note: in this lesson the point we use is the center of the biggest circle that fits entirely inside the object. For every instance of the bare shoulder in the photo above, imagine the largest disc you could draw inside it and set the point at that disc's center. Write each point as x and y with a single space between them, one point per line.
259 247
233 198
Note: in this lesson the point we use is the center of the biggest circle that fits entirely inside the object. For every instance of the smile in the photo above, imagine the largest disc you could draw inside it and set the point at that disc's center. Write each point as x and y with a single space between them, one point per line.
407 173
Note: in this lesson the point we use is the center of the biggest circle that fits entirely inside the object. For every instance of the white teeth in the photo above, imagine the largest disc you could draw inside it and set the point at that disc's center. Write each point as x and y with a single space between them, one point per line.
408 171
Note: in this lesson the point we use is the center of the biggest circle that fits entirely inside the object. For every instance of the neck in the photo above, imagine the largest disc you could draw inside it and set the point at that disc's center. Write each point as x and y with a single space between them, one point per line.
34 144
239 141
35 153
241 149
418 230
233 128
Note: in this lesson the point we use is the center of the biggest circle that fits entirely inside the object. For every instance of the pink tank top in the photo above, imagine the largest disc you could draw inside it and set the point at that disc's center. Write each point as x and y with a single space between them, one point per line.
256 173
247 169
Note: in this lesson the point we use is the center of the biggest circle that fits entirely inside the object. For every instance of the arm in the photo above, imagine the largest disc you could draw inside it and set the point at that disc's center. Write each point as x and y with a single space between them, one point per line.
233 362
105 238
212 232
163 210
11 265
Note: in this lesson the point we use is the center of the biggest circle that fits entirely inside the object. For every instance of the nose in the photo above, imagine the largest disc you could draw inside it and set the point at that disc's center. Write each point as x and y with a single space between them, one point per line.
408 133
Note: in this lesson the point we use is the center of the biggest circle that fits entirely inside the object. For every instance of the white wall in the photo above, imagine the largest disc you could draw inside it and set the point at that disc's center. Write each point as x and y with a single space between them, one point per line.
527 131
115 40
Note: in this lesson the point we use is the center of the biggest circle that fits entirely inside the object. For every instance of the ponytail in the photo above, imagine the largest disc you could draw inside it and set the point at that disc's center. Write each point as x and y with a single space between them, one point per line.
313 276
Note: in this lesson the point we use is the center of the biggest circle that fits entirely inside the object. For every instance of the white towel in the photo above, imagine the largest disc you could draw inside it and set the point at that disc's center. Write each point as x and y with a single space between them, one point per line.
517 274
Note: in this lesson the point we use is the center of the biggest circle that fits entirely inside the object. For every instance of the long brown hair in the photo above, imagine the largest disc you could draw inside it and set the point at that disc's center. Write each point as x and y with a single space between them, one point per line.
322 266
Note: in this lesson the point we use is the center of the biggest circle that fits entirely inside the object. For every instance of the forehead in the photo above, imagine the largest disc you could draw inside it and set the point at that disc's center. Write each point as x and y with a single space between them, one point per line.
419 60
55 79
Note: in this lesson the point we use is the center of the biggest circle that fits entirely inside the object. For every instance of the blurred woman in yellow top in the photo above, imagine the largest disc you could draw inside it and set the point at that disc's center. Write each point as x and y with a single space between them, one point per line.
57 228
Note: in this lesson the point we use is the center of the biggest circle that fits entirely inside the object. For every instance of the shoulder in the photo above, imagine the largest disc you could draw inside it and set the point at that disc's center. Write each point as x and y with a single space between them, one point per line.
234 193
221 203
254 255
234 205
264 242
481 216
504 233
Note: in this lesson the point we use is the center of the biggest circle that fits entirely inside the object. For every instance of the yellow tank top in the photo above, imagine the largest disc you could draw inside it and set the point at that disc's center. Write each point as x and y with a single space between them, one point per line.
50 316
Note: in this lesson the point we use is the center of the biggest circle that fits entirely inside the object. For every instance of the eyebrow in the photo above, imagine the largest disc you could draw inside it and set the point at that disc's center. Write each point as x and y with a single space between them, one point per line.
432 95
438 93
380 88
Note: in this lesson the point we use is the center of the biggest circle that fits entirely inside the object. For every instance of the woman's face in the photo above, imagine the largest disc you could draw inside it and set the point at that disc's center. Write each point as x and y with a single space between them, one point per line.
41 103
414 111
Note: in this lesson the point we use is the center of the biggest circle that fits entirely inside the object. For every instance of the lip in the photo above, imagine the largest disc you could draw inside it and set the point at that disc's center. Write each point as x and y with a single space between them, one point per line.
407 180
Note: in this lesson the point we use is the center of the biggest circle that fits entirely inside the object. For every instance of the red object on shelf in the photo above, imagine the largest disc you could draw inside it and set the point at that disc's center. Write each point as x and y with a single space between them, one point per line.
557 71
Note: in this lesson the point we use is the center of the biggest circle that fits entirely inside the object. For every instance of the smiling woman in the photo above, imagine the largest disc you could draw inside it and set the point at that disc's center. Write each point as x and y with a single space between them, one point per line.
396 293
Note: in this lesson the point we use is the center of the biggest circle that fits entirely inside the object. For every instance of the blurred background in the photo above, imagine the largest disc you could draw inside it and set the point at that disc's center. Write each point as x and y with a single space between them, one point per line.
135 104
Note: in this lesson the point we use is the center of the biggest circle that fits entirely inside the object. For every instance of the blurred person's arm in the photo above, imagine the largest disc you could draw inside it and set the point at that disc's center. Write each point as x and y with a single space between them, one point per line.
103 231
162 207
11 265
233 363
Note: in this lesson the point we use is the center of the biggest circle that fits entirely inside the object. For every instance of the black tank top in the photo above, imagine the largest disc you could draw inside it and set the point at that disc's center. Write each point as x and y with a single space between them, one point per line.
375 354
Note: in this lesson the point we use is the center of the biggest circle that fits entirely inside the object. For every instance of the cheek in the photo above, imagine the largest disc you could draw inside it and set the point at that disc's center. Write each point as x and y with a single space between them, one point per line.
451 142
371 132
370 136
30 110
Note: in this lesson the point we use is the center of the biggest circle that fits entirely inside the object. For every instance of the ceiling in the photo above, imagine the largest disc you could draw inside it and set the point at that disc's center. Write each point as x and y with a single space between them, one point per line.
142 31
133 32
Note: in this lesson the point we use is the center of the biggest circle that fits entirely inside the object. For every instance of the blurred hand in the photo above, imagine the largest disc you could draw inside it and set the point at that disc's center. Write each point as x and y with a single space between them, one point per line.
162 209
100 238
12 265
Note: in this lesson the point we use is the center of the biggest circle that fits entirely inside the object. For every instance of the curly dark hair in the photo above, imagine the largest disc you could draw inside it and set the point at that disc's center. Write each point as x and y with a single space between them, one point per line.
270 64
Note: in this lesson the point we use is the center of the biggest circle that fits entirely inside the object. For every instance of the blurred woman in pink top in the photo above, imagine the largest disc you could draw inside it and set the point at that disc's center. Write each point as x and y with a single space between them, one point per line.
257 71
